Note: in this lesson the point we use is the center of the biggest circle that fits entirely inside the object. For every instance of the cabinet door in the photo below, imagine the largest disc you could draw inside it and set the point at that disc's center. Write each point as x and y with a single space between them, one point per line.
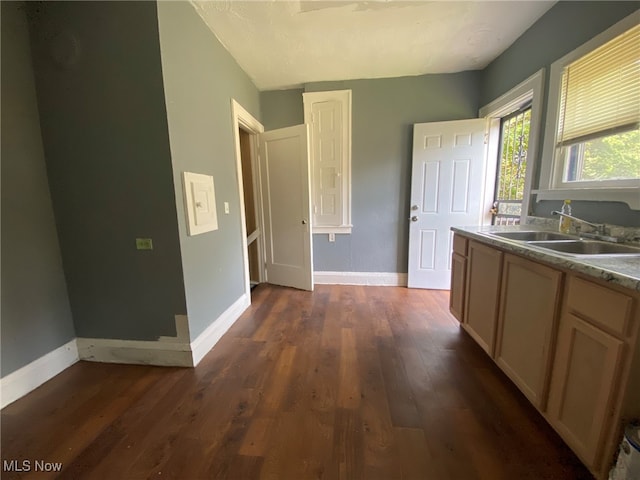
456 295
583 385
483 287
529 305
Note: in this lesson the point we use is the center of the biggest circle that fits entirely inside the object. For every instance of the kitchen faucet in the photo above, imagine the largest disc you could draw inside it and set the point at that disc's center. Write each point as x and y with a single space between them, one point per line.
599 227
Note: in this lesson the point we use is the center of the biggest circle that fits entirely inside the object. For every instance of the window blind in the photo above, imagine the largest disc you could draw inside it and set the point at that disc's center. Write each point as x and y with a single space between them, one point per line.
600 92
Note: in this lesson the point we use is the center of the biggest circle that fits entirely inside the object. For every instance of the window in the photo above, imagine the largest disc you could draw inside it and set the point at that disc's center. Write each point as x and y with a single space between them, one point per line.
592 143
329 114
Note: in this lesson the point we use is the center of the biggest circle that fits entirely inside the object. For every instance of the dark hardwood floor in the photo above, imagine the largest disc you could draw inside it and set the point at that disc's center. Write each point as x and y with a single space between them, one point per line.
344 383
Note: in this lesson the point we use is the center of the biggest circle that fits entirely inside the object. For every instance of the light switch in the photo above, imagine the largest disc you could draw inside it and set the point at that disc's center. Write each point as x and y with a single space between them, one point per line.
226 208
144 244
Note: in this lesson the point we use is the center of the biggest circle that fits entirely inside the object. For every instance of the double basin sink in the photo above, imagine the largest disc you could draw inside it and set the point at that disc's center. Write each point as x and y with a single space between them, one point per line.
568 244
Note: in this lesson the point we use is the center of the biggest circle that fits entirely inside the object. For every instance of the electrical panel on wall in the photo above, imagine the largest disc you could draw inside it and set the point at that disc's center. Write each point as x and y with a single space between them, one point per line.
200 203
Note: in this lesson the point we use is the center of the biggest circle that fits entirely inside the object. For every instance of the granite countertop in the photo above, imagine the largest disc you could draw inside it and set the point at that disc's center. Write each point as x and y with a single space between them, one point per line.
620 270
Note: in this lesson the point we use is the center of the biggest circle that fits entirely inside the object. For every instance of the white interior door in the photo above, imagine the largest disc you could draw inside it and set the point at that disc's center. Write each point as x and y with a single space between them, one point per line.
284 174
446 190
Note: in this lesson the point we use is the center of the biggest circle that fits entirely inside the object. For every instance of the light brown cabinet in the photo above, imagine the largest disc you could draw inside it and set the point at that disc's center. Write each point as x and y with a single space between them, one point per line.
589 361
529 305
568 342
481 294
585 375
458 277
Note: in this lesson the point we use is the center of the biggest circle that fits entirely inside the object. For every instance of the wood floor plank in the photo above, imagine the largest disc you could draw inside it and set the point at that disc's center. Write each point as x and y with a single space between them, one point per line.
416 461
348 445
347 382
402 403
349 389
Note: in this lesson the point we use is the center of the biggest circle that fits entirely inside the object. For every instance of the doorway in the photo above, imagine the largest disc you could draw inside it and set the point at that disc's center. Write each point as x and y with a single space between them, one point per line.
512 166
250 206
274 202
246 130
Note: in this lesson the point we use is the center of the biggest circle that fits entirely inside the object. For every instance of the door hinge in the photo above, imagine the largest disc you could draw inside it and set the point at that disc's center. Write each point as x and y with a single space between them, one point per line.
486 138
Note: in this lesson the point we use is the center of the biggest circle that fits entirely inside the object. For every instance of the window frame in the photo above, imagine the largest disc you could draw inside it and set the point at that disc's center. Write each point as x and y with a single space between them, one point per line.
551 184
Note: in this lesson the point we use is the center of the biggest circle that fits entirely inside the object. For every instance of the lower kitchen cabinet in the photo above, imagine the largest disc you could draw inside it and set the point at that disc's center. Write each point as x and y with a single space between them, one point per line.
588 363
529 306
583 388
482 290
569 342
458 275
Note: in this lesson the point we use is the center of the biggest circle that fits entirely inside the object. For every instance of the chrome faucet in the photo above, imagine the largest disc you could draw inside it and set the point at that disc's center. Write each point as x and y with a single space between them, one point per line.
599 227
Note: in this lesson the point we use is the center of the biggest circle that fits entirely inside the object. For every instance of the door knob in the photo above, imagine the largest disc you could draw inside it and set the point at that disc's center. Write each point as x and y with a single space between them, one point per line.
414 207
304 222
414 219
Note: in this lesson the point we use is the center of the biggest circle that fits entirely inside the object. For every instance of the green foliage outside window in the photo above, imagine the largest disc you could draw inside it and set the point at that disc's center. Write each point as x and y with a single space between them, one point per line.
513 157
612 158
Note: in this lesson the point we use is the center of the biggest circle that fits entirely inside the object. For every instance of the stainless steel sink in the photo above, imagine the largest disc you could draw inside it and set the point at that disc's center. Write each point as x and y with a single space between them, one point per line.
533 236
587 247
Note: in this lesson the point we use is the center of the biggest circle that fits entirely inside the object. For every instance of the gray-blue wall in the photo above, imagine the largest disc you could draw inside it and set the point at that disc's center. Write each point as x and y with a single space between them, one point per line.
566 26
36 317
282 108
104 126
383 114
200 78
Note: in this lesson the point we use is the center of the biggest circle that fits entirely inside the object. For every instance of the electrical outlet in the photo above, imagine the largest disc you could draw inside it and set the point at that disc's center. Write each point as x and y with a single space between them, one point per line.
144 244
332 237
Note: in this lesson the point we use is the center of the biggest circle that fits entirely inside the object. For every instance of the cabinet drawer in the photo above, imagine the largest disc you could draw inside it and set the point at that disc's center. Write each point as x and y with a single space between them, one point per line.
606 308
460 245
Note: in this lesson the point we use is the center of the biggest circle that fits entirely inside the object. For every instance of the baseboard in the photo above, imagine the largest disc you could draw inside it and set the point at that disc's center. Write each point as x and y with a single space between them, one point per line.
388 279
136 352
207 339
167 351
26 379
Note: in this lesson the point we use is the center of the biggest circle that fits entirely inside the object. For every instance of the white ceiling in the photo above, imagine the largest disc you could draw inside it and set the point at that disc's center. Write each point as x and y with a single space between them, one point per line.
282 43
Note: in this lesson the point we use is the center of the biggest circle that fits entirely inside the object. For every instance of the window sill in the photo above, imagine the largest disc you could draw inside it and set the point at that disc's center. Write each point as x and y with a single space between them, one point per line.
339 230
628 195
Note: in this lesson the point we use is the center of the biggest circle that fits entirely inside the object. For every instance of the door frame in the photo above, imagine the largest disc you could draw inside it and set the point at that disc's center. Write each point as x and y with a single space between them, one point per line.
242 119
529 90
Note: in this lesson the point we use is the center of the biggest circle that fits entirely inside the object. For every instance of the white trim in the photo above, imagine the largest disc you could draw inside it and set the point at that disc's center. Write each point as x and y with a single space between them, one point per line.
388 279
136 352
490 169
26 379
166 351
252 238
207 339
341 230
182 331
530 89
241 118
630 196
551 186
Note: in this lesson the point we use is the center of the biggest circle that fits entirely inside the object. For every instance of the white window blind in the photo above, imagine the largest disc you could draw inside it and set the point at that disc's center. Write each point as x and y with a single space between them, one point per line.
600 92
